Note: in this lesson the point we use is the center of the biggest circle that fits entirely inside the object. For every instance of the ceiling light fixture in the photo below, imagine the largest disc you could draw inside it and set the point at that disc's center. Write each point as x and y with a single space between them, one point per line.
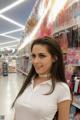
9 46
9 42
9 37
11 6
21 29
11 21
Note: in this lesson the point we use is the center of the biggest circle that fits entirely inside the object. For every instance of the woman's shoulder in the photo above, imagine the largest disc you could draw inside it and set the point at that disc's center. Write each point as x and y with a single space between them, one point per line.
62 91
62 85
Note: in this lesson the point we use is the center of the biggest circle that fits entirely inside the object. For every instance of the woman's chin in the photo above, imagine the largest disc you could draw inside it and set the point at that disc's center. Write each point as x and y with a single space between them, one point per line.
39 72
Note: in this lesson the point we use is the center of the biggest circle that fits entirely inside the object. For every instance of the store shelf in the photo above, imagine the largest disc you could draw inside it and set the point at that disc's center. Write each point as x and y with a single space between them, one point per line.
76 101
23 56
12 69
76 105
5 68
22 72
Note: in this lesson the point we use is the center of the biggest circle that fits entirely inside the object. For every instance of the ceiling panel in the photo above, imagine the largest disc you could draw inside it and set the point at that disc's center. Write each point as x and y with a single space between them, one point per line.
5 39
21 13
17 34
9 44
4 3
6 26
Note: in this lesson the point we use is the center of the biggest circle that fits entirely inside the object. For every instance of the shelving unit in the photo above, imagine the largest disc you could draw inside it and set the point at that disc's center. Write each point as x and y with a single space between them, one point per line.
24 73
76 101
23 63
76 105
68 22
5 69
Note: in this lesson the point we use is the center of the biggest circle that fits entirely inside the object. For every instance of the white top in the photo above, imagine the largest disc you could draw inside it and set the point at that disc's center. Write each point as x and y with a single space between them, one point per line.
34 105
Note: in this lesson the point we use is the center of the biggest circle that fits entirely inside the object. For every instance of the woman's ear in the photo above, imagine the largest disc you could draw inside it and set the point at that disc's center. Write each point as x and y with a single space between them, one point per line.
55 59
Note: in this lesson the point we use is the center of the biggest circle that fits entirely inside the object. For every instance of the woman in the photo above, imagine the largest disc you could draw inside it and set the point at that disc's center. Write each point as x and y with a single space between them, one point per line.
45 90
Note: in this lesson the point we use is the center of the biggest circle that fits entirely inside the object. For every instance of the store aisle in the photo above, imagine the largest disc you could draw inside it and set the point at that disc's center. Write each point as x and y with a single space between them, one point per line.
9 87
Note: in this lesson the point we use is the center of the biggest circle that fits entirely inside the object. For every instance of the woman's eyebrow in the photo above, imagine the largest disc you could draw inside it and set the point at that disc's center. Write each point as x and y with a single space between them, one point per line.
40 53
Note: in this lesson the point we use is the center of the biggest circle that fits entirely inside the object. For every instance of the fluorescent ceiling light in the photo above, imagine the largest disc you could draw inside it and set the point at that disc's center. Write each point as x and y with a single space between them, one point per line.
21 29
10 37
9 42
9 46
11 6
11 21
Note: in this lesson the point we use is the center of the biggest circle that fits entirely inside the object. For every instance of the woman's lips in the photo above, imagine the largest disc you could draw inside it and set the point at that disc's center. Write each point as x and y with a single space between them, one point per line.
38 67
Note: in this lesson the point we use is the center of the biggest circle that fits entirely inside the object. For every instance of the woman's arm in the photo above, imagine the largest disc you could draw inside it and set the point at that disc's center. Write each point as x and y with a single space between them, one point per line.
64 110
14 117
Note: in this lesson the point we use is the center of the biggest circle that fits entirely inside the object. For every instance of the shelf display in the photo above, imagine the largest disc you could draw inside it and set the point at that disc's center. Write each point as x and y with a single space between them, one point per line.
76 101
67 23
12 66
8 64
71 56
75 113
75 81
0 67
5 68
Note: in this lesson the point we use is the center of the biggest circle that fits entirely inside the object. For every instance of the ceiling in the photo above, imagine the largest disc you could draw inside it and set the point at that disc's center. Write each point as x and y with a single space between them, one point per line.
11 19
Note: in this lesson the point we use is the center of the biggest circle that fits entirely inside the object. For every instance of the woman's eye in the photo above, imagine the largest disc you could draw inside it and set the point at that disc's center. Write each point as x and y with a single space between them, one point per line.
42 56
39 56
33 56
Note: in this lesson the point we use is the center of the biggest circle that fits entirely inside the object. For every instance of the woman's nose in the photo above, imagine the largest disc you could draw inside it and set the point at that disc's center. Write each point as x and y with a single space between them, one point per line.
36 60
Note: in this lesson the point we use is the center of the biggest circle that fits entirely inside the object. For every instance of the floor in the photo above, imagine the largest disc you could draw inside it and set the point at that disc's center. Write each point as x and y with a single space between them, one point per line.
9 87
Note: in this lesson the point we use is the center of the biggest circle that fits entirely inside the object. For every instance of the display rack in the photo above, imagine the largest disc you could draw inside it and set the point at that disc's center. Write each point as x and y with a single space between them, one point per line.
23 61
67 34
24 73
5 68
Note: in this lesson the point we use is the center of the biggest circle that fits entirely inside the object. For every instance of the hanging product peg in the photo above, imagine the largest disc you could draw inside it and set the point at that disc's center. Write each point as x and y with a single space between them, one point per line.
76 84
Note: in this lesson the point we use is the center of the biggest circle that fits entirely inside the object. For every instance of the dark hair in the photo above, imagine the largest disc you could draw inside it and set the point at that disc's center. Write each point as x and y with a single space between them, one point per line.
76 71
57 69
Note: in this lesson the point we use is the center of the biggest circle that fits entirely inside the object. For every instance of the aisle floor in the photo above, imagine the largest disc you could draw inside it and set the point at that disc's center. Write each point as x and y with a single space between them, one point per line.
9 87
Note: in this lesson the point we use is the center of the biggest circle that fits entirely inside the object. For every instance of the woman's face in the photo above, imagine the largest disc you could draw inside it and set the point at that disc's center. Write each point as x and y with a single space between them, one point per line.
41 59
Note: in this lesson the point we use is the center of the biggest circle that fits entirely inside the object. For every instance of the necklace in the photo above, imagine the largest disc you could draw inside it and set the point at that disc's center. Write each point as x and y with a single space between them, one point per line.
45 75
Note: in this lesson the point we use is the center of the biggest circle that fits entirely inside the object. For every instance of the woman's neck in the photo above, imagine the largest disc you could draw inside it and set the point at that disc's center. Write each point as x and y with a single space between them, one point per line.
44 75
